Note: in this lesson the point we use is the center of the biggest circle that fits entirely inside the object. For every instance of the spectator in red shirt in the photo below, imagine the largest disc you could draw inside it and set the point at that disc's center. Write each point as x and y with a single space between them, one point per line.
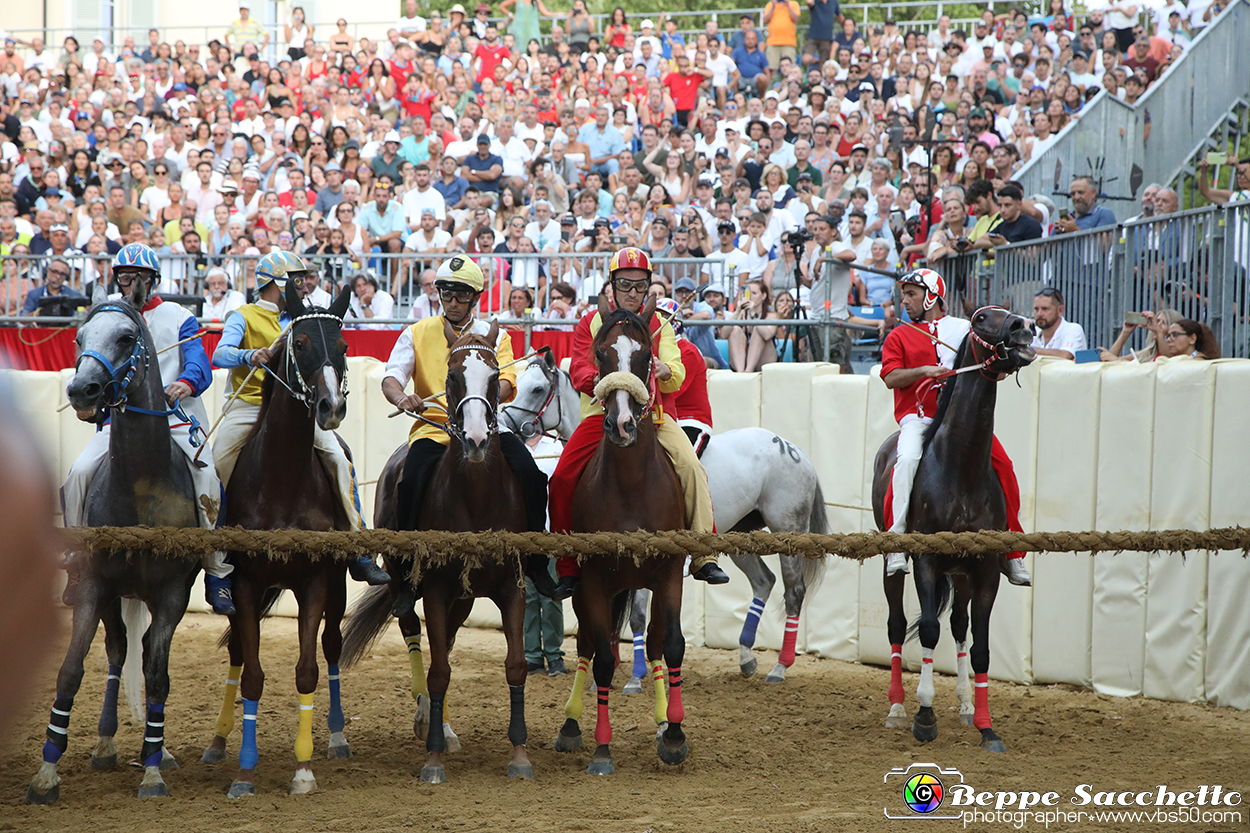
490 53
683 85
1139 56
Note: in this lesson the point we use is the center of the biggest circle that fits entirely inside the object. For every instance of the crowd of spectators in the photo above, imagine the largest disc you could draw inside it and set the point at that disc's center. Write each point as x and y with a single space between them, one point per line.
757 154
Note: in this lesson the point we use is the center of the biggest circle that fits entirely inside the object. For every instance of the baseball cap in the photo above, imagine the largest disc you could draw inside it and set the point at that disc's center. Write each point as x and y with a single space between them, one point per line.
742 181
299 215
648 24
716 287
392 136
180 86
806 176
581 102
772 94
864 148
684 283
568 220
722 152
705 180
602 222
59 227
867 86
728 127
351 143
252 173
429 211
483 139
333 166
52 192
977 112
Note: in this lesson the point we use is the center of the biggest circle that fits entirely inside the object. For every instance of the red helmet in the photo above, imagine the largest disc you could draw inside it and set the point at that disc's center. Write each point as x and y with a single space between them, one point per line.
630 257
933 283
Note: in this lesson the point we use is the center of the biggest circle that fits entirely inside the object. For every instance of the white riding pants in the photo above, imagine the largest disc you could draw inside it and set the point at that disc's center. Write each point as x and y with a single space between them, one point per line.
910 447
204 481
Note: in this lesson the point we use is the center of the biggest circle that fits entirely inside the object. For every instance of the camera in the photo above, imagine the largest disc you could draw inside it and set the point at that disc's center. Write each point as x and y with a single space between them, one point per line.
798 238
963 244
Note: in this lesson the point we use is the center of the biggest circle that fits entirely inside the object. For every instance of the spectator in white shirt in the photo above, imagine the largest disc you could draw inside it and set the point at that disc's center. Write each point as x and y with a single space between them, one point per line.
1055 336
423 196
427 303
368 301
221 299
543 231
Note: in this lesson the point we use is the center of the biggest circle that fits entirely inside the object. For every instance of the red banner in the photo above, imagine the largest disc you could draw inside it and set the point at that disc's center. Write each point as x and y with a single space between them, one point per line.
46 349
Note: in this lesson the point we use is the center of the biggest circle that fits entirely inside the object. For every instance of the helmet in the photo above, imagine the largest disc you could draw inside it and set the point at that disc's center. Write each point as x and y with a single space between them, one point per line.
669 309
276 266
630 257
137 256
934 285
460 270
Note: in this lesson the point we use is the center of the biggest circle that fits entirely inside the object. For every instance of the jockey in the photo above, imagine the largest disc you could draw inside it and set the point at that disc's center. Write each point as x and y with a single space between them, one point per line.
694 412
629 275
188 374
421 356
247 341
908 359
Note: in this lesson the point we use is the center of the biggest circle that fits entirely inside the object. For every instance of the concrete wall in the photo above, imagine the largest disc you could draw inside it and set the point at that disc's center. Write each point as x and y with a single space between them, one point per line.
1120 446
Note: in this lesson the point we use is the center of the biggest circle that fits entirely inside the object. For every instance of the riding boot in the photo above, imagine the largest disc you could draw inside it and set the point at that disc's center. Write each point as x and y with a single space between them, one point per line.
405 600
217 594
1016 572
564 587
536 570
363 569
711 573
896 562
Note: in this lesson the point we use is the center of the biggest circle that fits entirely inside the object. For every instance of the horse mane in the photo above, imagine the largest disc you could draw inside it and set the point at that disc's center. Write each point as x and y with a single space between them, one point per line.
944 398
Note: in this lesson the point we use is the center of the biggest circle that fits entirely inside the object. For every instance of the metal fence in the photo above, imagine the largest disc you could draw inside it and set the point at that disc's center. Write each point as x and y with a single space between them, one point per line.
1125 147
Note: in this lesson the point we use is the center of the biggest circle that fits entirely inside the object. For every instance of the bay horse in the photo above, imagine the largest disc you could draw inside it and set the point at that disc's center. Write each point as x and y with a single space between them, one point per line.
757 479
279 483
144 481
628 485
471 489
956 490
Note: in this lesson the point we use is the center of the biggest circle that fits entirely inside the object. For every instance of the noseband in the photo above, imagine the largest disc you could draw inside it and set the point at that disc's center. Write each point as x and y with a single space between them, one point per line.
992 352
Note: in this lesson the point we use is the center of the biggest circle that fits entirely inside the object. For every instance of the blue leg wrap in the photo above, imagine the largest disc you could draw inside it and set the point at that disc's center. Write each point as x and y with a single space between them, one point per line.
154 735
752 623
58 730
248 756
640 656
335 719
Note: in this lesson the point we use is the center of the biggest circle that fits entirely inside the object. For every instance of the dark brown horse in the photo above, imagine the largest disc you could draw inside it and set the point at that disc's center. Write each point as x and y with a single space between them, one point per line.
279 483
628 485
471 489
956 490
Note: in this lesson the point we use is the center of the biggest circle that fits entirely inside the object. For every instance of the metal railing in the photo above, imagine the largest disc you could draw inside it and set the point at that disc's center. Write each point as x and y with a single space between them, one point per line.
1124 147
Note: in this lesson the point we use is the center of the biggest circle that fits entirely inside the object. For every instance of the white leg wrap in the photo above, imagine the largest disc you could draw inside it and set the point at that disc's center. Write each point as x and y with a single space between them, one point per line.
924 691
963 684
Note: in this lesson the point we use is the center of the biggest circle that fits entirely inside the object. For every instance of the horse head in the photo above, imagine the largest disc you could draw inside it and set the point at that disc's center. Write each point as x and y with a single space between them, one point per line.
314 367
622 351
1001 341
537 389
113 354
473 389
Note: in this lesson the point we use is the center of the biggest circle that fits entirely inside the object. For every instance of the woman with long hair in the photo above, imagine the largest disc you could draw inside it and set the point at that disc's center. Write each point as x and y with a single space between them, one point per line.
1194 339
774 181
944 241
579 28
944 164
81 174
511 204
523 18
750 348
971 173
299 138
354 235
340 41
617 29
1157 344
434 39
296 33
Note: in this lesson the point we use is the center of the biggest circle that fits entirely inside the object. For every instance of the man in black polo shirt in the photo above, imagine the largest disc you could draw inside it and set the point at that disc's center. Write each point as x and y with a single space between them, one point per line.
1015 225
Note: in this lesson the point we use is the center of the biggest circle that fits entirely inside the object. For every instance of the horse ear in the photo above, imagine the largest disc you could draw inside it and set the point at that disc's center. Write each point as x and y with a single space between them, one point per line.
339 308
99 292
648 310
604 309
139 293
449 333
294 301
492 335
548 358
969 308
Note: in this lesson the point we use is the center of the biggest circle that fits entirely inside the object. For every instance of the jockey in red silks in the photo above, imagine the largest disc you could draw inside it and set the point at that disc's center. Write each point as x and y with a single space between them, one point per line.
694 411
629 275
910 361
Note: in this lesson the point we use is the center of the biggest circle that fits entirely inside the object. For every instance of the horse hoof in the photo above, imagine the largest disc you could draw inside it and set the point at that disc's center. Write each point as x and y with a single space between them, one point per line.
601 766
777 675
241 789
521 771
924 727
339 753
451 739
157 790
995 745
213 756
107 762
672 756
570 737
434 775
303 786
634 686
748 669
49 796
897 718
168 761
966 719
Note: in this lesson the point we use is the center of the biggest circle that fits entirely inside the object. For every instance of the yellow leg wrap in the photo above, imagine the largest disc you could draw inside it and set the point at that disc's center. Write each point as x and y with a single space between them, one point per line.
573 709
418 666
304 740
225 720
661 695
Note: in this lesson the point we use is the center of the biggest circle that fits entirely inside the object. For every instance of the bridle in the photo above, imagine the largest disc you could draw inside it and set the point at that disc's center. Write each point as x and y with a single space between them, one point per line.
533 427
993 352
652 384
492 408
130 367
307 394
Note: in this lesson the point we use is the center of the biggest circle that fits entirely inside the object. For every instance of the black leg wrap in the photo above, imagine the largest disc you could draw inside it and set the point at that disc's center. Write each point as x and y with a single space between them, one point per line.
435 740
517 733
153 736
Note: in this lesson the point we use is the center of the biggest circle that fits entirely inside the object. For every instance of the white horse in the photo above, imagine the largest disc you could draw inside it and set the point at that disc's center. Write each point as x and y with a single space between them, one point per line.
757 479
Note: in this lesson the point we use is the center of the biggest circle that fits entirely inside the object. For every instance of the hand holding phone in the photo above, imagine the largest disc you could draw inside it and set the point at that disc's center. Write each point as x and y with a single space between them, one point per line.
1135 318
1215 158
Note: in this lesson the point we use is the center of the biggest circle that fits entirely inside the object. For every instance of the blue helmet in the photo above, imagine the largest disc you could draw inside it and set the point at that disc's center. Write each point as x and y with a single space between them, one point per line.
277 266
139 256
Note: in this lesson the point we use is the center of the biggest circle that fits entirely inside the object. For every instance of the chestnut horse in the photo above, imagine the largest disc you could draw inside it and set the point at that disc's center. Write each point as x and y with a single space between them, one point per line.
279 483
956 490
628 485
471 489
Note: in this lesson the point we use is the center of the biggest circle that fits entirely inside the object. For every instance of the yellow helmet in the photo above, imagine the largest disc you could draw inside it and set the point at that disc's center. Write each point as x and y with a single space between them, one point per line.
460 270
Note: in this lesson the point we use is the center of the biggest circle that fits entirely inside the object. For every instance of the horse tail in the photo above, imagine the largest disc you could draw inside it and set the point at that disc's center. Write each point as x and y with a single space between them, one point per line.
945 590
814 568
136 619
365 622
621 604
267 602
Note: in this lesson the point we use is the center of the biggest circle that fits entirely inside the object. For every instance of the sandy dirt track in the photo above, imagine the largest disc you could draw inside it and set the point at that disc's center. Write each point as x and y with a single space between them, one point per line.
807 755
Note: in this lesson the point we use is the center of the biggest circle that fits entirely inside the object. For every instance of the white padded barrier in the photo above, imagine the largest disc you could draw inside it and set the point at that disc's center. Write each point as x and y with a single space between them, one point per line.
1118 632
1065 498
735 400
839 414
874 641
786 404
1228 573
1176 590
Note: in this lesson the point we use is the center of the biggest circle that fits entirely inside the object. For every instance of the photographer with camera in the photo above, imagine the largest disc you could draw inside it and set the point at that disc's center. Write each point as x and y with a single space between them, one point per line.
950 238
